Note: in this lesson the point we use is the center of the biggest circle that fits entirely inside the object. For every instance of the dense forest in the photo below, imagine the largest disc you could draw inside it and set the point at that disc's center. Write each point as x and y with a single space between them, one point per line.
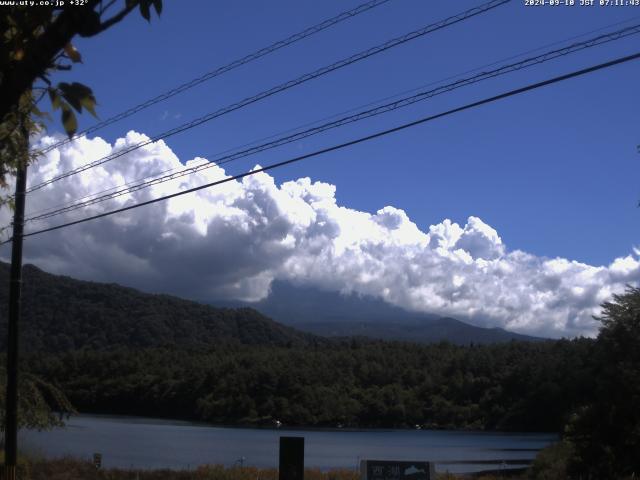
515 386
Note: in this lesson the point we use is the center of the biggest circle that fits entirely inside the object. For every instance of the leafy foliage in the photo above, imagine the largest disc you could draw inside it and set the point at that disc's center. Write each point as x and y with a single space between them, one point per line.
36 42
68 97
41 405
605 430
18 125
551 462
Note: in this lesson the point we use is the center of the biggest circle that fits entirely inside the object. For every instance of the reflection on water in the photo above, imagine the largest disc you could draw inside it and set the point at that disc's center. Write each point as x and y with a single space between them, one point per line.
150 443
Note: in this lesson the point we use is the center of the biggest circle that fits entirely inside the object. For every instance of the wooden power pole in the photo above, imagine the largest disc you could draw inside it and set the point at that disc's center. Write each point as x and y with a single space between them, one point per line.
15 290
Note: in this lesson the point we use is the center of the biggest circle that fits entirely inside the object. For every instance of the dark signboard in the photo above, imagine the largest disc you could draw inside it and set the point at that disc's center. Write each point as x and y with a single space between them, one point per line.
396 470
291 458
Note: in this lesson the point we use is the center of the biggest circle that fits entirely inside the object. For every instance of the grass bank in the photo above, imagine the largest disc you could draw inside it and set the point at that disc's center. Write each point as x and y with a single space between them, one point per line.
75 469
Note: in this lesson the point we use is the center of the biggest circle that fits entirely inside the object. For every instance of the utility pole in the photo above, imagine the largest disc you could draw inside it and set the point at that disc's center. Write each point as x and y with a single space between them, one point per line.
15 288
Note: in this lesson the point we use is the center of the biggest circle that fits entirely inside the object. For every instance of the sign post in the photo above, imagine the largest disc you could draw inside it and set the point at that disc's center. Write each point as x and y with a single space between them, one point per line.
291 458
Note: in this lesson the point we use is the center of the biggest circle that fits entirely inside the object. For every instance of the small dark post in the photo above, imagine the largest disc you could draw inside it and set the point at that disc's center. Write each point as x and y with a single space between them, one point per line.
15 286
291 458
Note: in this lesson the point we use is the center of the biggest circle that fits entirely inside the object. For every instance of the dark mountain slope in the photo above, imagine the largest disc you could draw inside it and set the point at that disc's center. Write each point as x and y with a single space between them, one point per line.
333 314
60 313
428 331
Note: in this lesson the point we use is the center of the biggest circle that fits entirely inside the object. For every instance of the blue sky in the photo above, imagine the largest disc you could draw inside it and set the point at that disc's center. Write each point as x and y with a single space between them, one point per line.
520 214
555 171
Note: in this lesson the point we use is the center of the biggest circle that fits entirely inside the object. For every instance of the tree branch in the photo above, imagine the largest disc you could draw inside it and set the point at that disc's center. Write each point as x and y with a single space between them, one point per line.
115 19
104 8
39 54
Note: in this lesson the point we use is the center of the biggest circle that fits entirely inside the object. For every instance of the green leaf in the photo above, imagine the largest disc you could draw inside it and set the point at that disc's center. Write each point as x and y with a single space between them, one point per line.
78 95
90 25
39 113
144 10
89 102
73 53
69 120
73 100
11 33
158 6
55 98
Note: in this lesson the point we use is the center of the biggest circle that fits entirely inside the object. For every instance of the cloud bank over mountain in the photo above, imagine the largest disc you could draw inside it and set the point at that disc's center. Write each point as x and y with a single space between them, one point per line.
233 240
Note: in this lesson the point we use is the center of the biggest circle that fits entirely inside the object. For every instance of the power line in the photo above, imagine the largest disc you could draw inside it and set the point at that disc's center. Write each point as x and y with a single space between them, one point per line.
354 109
296 37
361 115
350 143
285 86
412 90
403 102
369 104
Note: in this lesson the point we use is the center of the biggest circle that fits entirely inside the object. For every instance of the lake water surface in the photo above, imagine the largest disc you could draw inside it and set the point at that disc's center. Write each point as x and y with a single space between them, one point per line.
152 443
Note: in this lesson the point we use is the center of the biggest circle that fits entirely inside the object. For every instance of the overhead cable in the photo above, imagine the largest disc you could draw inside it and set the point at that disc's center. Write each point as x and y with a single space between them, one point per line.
350 143
472 12
381 109
296 37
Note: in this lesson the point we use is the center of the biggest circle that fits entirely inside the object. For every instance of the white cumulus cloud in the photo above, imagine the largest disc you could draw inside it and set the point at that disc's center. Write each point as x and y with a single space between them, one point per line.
234 240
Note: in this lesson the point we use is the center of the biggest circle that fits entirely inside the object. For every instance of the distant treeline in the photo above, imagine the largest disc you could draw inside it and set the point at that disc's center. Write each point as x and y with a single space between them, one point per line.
514 386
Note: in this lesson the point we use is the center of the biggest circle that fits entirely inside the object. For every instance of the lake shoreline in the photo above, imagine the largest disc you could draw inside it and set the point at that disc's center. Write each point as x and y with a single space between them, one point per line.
146 443
251 426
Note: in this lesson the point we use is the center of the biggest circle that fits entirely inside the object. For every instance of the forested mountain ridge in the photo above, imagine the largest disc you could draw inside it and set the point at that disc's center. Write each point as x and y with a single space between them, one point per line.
60 313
